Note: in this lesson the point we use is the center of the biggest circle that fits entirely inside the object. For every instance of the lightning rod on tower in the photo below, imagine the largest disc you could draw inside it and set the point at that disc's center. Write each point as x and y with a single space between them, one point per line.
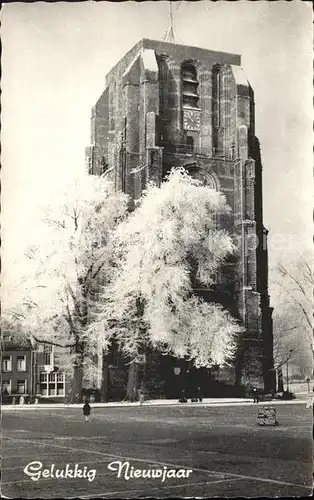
169 34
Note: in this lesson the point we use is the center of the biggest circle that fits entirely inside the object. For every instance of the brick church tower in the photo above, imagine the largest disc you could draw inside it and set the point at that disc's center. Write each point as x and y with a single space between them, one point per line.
168 105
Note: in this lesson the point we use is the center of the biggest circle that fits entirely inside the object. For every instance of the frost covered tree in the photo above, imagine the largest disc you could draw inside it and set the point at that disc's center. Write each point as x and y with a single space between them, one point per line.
168 245
68 258
287 344
296 285
293 316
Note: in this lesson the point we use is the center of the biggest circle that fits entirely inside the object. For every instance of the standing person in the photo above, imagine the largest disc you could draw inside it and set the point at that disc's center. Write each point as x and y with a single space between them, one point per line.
199 394
183 398
86 411
141 397
255 395
134 394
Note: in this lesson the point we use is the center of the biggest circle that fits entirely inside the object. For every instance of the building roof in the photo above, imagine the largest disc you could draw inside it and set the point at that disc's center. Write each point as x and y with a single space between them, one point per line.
15 344
177 50
170 47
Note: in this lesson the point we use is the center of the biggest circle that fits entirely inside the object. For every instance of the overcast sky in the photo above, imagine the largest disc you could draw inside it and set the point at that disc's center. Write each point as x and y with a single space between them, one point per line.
54 61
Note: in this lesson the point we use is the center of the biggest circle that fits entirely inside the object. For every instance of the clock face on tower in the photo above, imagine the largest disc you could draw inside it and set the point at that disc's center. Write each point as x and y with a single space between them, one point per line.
191 120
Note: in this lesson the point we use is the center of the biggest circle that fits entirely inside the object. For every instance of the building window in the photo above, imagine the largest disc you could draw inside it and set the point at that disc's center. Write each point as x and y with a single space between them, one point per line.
47 358
48 354
201 175
52 388
6 387
89 165
163 86
60 384
21 386
21 363
190 84
43 387
217 96
43 377
217 111
52 384
221 112
7 363
6 337
190 143
89 159
265 233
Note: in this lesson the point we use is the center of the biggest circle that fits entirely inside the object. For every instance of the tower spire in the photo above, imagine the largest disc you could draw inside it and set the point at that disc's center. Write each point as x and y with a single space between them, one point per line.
169 34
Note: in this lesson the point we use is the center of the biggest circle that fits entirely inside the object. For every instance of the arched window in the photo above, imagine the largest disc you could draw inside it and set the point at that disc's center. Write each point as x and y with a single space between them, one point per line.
190 84
221 112
217 112
206 178
112 92
217 96
163 86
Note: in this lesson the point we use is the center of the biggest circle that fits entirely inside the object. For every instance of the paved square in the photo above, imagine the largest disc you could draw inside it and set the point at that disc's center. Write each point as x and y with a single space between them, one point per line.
230 455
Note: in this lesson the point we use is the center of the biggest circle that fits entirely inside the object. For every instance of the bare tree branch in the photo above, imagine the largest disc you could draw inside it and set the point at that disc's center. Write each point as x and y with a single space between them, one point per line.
75 218
51 342
300 287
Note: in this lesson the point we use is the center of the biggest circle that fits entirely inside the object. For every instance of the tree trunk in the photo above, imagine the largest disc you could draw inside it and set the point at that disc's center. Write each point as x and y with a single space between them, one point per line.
132 385
75 395
105 379
280 379
144 369
134 377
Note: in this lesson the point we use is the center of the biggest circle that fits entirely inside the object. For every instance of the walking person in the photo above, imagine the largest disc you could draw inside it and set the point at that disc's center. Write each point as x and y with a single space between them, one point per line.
86 411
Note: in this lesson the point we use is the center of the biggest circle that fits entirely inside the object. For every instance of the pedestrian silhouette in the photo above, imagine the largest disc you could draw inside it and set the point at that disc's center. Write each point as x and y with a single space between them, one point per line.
255 395
141 396
86 411
199 394
183 398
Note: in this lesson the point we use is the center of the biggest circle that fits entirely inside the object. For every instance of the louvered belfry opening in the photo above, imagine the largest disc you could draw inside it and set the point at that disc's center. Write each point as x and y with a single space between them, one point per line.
190 97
